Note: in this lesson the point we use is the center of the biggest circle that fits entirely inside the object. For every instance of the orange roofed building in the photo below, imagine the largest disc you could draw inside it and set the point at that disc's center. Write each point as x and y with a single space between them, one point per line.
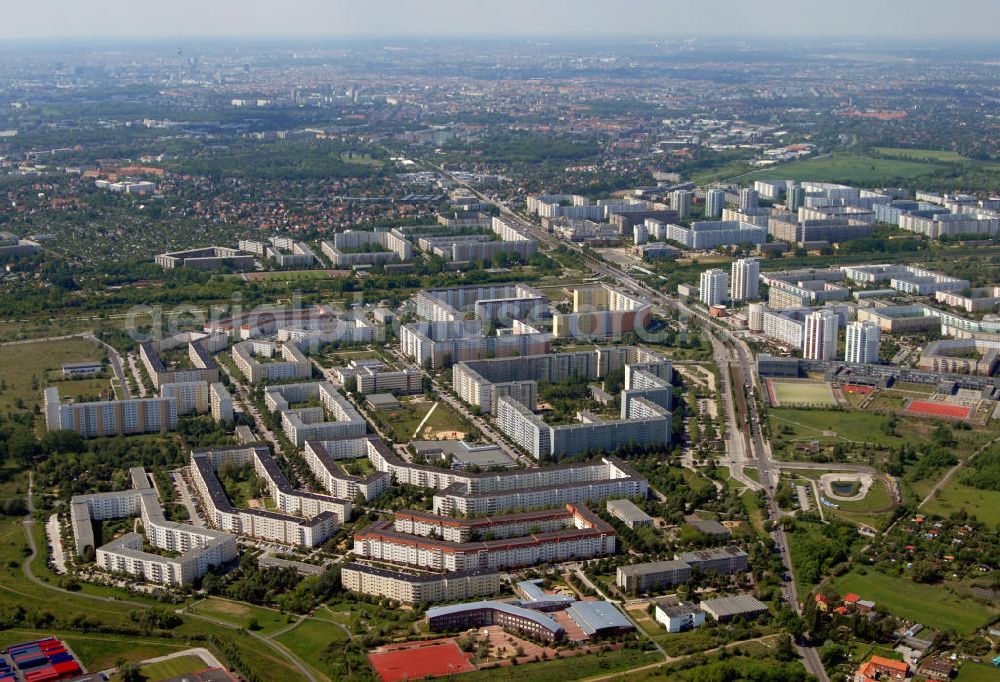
879 668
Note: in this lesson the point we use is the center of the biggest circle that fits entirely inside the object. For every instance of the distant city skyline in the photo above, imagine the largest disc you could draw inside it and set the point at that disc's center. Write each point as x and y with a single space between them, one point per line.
103 19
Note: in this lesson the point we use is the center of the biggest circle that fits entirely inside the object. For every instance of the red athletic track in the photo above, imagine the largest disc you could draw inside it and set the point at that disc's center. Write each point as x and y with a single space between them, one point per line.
939 409
854 388
429 660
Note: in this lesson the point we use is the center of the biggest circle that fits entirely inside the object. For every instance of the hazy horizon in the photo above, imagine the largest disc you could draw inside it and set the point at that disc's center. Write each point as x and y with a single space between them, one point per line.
898 20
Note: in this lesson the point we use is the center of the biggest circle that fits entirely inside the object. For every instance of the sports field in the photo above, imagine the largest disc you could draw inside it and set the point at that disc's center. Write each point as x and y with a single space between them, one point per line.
931 409
803 393
415 663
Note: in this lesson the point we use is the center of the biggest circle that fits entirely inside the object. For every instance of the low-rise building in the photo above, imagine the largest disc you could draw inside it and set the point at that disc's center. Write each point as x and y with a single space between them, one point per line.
678 617
637 578
737 606
628 513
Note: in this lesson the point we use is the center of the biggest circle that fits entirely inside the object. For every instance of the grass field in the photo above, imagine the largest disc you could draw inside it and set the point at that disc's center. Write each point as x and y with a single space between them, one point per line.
976 672
22 362
847 168
804 393
310 639
240 614
983 504
98 650
921 154
404 421
174 667
932 605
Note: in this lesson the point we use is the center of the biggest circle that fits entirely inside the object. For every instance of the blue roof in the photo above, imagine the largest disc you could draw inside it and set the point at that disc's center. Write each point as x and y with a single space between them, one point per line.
542 620
593 616
532 591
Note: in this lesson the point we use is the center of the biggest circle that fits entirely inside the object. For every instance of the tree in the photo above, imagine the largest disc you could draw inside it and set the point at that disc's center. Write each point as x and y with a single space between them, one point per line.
128 671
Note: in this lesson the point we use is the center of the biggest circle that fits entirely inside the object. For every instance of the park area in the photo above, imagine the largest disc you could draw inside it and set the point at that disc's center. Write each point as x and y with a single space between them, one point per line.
800 393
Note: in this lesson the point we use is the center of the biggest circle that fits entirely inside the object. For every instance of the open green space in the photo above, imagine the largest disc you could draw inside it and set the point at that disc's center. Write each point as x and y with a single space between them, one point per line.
97 621
846 168
25 368
241 614
932 605
920 154
444 422
310 639
804 393
983 504
976 672
172 667
858 426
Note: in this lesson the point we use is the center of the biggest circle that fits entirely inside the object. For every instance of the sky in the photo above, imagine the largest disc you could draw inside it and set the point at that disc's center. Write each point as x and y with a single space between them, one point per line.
117 19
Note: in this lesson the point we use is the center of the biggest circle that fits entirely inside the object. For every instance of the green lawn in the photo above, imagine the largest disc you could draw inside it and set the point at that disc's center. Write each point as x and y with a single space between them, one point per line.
404 422
22 362
804 393
174 667
101 650
310 639
983 504
865 427
977 672
920 154
240 614
933 605
847 168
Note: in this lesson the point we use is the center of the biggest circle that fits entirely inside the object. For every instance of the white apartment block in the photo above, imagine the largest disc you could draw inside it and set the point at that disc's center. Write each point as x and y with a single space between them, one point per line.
334 418
199 548
584 536
352 248
819 340
220 402
110 417
255 360
745 279
862 342
423 588
308 528
190 396
713 287
709 234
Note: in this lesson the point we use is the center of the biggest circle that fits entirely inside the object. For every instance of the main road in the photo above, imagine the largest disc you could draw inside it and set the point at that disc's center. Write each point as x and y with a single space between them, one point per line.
728 351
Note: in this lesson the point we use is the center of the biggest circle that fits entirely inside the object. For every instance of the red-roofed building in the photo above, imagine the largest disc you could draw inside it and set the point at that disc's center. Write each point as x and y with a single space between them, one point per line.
851 598
842 610
879 668
821 603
